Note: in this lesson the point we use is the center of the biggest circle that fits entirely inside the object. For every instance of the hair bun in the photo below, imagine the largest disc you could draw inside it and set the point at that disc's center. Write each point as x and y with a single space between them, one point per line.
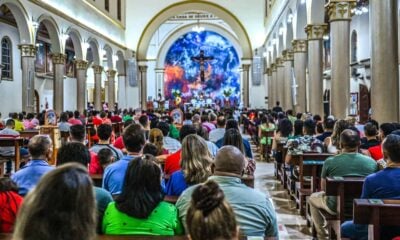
207 197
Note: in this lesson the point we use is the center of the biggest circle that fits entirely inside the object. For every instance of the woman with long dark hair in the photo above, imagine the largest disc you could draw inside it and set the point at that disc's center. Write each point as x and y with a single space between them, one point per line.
140 209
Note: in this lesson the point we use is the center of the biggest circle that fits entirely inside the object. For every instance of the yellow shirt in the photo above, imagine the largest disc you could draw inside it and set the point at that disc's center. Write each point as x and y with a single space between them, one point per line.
19 126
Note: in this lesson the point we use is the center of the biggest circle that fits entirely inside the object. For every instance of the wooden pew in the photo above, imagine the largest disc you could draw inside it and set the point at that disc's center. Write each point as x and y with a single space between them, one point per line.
343 188
97 179
280 166
11 142
29 133
377 213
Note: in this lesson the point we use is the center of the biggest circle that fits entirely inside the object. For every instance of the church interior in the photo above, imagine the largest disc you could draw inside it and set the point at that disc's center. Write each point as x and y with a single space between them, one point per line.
296 103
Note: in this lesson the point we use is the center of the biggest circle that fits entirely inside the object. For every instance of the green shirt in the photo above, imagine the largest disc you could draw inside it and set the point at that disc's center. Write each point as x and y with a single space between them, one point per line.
347 164
163 221
173 131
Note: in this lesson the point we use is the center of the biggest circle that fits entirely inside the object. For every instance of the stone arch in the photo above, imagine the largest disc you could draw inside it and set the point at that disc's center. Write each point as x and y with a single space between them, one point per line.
300 20
166 44
94 45
77 41
289 29
184 6
315 11
21 17
109 55
120 64
53 31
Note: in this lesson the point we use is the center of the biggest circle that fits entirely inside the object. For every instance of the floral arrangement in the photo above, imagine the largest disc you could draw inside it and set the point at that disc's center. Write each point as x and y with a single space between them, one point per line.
227 92
176 93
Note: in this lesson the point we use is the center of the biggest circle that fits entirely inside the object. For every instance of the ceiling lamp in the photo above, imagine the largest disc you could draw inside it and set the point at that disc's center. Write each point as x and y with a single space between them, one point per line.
361 7
198 28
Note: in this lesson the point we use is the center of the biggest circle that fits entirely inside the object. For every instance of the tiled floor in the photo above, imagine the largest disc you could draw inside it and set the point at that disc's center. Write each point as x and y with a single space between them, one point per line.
291 224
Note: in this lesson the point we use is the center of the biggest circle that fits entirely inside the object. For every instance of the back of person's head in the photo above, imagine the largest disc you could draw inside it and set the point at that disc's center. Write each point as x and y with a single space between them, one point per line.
374 122
150 148
186 130
298 127
229 160
144 120
387 128
209 215
128 122
201 131
103 114
285 127
142 191
134 138
233 137
212 117
77 133
73 152
8 185
221 121
317 118
164 127
195 159
309 127
319 128
204 118
196 118
370 130
231 123
277 103
289 112
10 123
40 146
14 115
29 116
105 156
64 117
77 114
328 124
61 206
104 132
349 139
156 137
391 148
188 116
299 116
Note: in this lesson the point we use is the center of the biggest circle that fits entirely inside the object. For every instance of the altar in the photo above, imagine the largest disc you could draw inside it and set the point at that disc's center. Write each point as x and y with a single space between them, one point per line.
195 104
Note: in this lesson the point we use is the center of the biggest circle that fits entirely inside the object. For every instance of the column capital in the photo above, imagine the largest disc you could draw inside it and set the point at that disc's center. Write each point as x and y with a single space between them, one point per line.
27 50
316 31
287 55
340 10
81 64
246 67
273 68
269 71
58 58
143 68
299 45
279 62
97 69
111 73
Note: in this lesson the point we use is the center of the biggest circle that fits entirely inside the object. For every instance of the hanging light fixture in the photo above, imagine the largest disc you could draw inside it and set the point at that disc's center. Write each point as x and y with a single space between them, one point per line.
198 28
361 7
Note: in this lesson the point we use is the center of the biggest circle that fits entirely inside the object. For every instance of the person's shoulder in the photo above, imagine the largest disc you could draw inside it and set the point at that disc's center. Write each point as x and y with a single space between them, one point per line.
166 207
102 194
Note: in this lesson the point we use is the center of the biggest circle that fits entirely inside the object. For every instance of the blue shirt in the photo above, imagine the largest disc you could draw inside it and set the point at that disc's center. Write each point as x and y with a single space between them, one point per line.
246 145
254 212
384 184
29 175
114 175
176 184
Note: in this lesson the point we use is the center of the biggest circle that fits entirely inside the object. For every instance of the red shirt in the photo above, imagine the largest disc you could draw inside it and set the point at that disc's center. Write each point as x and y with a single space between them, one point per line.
172 163
9 205
116 119
376 152
119 143
95 166
97 121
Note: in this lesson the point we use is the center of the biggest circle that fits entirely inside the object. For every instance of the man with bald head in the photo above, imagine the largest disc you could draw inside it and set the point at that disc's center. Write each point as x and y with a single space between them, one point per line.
254 212
348 163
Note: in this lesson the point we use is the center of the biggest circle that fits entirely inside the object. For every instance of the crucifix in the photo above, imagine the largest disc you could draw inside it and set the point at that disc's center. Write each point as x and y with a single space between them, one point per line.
201 59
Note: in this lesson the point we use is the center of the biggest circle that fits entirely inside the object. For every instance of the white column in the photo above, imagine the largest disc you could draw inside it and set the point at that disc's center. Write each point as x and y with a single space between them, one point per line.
159 81
143 86
246 79
111 88
315 35
288 64
269 88
81 68
340 16
280 80
300 66
58 85
122 87
274 82
28 56
97 86
384 61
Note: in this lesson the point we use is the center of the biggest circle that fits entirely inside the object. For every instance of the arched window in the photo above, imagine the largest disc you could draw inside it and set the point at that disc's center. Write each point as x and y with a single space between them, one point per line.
6 58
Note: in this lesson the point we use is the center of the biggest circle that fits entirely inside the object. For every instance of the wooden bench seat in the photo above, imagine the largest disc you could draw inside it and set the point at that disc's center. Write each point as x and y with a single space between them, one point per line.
11 142
376 213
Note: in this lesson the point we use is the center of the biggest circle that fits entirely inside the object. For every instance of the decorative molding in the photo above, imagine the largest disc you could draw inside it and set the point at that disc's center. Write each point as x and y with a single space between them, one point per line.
143 68
269 71
287 55
273 68
299 45
81 64
111 73
340 10
316 31
245 67
27 50
97 69
58 58
279 62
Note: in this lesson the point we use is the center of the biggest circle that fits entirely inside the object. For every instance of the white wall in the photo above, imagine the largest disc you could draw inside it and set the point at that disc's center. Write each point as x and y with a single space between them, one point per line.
10 91
70 94
44 87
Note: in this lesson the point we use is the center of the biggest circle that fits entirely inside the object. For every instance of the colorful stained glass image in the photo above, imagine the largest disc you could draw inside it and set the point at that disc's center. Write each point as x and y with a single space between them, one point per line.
202 67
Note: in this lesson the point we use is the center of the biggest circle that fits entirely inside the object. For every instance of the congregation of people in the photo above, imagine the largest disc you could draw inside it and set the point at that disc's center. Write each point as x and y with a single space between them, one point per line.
201 164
